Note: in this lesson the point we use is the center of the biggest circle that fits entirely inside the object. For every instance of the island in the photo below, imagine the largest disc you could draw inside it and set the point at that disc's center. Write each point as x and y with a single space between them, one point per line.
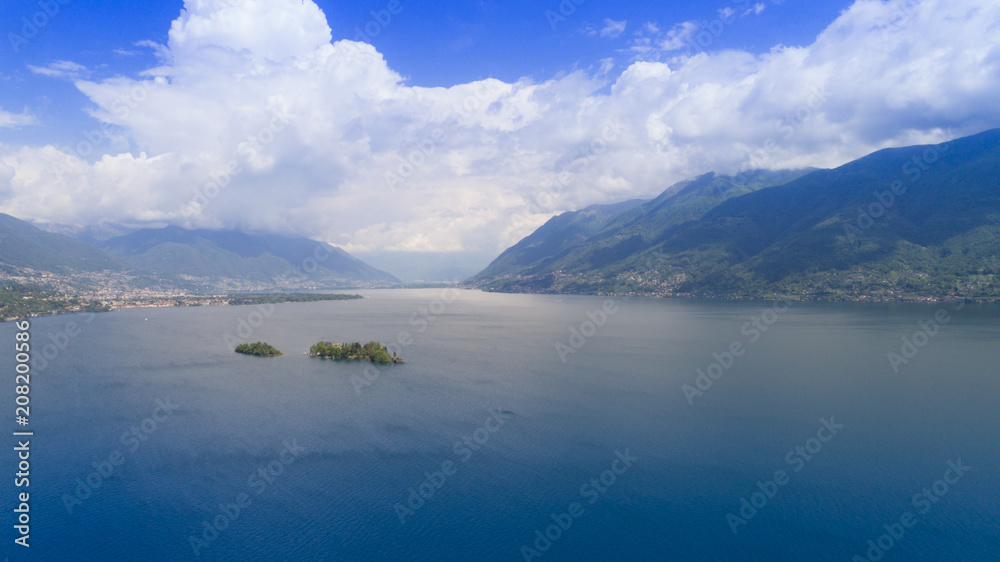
372 351
260 349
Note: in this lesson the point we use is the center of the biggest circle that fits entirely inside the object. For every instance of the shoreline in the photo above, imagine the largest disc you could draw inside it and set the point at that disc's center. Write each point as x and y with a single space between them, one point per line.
873 299
185 301
223 300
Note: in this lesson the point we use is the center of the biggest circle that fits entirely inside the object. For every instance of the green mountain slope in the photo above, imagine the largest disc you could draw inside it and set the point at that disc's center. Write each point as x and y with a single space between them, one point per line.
25 246
610 239
919 221
554 239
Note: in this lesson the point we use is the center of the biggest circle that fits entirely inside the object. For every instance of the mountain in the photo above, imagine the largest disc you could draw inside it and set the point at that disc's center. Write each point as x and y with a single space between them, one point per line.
609 239
229 260
553 239
172 258
91 234
923 220
920 221
25 246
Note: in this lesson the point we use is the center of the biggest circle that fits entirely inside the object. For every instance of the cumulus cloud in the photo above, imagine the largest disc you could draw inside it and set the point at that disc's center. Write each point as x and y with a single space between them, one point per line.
257 118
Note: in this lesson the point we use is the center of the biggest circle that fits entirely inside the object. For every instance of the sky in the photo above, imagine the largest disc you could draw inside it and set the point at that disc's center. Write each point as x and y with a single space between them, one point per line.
457 127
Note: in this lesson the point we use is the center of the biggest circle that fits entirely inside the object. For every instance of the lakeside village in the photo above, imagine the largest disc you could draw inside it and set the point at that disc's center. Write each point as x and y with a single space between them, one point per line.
27 293
830 287
26 301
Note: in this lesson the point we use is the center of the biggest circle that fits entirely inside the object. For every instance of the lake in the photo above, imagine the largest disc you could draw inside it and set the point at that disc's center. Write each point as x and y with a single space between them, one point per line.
521 427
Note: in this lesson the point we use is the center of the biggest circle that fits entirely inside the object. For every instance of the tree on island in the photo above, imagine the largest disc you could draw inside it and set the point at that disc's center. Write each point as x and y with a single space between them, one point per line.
260 349
372 351
381 356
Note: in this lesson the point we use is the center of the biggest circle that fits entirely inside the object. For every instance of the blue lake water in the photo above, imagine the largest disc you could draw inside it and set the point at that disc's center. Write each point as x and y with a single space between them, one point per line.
317 454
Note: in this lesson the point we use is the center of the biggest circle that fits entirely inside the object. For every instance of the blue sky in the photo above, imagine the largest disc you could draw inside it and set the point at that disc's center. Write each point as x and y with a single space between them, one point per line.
458 127
508 40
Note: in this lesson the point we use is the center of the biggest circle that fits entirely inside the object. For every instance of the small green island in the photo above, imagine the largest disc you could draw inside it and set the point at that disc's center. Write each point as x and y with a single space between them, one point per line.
260 349
372 351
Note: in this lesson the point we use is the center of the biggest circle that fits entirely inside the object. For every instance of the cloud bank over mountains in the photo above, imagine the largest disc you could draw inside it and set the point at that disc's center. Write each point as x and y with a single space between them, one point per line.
257 118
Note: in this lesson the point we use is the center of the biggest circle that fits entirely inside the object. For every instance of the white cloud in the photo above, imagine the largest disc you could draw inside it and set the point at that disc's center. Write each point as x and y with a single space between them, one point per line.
690 36
61 69
13 120
613 28
650 42
727 13
313 129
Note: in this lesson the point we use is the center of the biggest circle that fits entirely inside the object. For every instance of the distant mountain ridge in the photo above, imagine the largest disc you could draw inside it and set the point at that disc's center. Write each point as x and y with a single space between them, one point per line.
920 221
257 258
193 260
25 246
